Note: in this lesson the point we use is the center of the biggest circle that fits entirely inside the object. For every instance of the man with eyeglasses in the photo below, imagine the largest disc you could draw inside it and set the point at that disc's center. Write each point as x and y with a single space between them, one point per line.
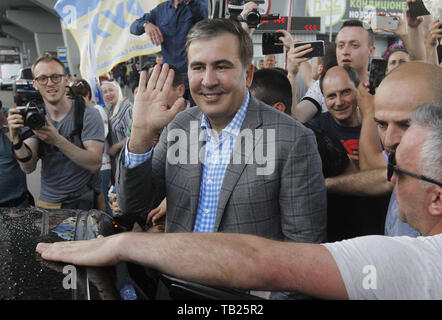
70 161
369 267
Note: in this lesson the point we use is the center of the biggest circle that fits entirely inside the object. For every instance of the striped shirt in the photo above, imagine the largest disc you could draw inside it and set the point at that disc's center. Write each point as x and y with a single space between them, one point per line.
120 123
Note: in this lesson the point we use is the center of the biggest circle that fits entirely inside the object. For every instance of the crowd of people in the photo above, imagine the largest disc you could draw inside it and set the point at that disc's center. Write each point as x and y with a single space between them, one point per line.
299 194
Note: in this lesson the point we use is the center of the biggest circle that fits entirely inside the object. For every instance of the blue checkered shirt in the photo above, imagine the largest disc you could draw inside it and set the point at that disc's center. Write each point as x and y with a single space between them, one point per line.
218 151
216 158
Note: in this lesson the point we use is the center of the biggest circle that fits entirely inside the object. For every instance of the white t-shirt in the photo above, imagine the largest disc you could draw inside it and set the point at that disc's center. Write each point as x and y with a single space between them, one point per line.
315 96
379 267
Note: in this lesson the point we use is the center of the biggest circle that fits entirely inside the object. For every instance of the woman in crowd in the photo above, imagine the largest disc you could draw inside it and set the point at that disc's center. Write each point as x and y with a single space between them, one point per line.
120 114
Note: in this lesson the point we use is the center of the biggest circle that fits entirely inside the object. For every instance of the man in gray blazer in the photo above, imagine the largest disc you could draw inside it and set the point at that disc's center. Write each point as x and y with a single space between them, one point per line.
233 164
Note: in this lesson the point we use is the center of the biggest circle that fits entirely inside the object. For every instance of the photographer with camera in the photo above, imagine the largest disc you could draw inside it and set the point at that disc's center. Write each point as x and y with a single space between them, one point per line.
70 143
249 9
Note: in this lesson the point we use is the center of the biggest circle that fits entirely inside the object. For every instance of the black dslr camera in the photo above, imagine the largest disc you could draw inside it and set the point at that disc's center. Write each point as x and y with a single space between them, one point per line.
253 18
33 115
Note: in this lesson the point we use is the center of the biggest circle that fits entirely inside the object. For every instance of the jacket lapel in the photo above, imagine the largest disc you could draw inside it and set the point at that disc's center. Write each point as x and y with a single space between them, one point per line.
196 155
241 155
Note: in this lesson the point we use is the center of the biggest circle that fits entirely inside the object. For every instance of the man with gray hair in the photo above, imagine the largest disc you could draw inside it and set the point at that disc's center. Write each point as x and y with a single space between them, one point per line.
404 267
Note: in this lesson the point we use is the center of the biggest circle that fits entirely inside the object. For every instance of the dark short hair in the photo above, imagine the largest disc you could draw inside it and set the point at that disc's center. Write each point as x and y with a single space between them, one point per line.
329 58
177 80
285 71
396 50
272 86
392 49
210 28
360 24
81 87
352 74
47 57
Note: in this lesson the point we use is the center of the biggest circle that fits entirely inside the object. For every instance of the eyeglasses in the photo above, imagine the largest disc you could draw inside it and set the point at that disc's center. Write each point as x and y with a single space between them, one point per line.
55 78
392 167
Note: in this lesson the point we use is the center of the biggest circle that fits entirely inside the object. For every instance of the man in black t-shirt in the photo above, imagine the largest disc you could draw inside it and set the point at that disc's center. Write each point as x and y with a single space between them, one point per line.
343 120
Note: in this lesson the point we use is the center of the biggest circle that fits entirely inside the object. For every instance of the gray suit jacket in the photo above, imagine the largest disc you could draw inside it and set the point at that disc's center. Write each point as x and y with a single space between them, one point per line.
286 203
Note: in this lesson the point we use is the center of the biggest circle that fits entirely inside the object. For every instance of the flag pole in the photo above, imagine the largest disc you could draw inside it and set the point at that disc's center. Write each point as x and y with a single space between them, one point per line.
330 36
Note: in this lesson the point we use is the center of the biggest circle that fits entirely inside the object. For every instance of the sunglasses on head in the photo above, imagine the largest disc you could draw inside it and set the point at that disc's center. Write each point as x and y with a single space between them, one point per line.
392 167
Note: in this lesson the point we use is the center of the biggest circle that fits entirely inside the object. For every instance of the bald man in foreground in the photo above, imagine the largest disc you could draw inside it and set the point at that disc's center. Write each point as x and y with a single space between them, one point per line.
405 268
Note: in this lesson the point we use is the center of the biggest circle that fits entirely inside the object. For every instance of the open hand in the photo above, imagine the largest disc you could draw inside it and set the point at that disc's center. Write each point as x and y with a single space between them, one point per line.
150 110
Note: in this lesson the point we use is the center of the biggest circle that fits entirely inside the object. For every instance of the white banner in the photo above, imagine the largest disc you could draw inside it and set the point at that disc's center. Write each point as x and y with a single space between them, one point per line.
107 24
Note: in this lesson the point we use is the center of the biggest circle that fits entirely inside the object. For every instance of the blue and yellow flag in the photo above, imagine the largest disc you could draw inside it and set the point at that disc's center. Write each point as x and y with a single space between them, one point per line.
106 23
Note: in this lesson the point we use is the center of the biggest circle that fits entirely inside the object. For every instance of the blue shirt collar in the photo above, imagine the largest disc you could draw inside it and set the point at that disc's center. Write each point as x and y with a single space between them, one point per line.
235 124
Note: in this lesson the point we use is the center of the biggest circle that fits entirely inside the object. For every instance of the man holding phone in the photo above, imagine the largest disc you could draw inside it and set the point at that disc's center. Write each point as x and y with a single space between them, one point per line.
354 48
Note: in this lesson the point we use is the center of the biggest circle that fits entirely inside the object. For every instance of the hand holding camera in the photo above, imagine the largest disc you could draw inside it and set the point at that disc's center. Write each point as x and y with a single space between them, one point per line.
271 43
285 38
248 7
34 117
381 21
15 124
250 13
48 133
31 115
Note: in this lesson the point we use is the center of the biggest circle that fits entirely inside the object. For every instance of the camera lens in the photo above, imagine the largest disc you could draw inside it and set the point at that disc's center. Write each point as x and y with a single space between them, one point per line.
253 18
34 120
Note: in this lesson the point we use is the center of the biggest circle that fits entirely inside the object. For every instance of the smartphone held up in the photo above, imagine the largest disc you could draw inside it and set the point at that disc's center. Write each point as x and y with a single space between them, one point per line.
317 48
